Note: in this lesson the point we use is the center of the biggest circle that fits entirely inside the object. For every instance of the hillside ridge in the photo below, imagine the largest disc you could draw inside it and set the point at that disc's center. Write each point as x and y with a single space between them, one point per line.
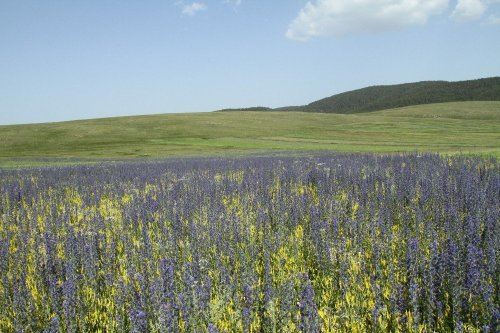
382 97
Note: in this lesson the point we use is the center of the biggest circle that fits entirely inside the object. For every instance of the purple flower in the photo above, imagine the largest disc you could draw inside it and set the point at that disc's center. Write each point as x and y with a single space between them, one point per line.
309 318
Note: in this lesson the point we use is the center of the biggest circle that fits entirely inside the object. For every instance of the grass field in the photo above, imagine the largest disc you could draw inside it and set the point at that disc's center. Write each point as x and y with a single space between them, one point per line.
463 127
334 242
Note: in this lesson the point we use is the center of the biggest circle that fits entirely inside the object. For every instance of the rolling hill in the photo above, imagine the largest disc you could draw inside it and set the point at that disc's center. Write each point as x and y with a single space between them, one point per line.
467 127
377 98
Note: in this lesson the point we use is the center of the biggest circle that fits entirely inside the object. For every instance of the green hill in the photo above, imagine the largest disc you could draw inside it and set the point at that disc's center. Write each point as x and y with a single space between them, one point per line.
254 108
393 96
469 127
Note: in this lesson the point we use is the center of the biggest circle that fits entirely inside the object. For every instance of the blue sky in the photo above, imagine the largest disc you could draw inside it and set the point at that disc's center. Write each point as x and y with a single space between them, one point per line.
64 60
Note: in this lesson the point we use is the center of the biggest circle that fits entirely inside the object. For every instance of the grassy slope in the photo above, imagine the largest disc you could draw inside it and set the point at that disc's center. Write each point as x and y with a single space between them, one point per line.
449 127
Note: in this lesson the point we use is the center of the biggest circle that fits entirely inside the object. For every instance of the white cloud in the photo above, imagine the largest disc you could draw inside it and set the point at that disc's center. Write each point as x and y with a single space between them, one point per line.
468 10
233 2
493 20
342 17
193 8
471 10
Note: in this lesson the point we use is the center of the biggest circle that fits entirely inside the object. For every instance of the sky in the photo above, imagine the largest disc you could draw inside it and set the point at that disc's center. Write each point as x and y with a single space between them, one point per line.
64 60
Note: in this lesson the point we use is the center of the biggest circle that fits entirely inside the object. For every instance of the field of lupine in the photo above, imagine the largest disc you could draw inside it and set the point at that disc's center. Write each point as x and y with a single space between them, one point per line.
340 243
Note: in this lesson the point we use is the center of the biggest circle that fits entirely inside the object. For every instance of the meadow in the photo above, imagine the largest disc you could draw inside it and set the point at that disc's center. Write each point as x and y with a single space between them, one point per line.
448 128
327 243
248 221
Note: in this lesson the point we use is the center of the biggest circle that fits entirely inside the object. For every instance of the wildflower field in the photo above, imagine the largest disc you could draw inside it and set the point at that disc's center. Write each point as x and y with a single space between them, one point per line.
338 243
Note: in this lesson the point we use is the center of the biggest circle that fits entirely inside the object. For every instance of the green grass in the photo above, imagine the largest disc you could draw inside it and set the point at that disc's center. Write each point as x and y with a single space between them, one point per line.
461 127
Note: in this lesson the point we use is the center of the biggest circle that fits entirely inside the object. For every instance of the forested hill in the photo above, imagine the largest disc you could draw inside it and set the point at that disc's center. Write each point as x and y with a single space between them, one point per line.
392 96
